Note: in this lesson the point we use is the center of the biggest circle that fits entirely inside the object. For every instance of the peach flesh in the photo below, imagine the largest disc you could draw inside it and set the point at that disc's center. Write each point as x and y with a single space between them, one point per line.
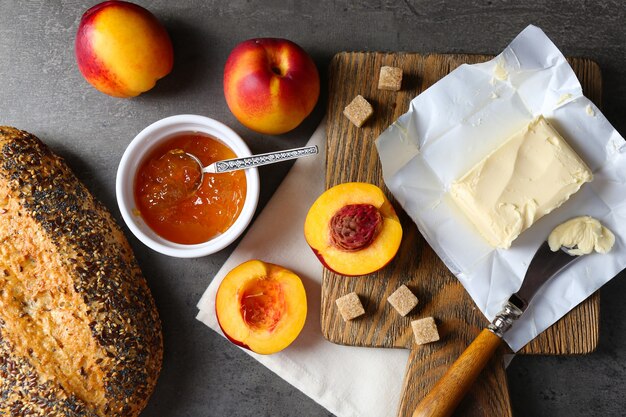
373 247
262 304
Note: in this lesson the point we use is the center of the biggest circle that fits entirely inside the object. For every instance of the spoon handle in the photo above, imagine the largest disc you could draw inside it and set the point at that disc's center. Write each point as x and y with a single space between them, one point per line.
261 159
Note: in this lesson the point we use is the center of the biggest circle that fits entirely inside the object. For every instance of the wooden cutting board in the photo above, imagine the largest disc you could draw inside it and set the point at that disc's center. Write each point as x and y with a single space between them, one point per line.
352 156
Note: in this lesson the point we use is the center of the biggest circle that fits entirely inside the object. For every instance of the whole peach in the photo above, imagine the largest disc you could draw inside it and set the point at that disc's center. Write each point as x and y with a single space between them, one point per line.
122 49
271 85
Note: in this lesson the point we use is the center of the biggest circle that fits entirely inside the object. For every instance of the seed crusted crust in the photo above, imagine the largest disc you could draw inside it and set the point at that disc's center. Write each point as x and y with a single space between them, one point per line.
79 330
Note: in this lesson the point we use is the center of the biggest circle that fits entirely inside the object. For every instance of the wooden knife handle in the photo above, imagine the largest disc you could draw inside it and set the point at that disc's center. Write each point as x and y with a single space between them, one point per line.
444 397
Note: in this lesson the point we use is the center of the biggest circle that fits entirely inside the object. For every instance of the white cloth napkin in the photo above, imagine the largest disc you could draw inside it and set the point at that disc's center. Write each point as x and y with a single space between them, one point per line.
347 381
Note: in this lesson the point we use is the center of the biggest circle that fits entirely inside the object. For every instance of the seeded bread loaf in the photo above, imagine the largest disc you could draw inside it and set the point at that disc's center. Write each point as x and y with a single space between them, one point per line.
79 332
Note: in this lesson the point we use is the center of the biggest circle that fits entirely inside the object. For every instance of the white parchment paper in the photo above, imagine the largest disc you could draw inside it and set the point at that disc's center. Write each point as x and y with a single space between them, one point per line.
458 121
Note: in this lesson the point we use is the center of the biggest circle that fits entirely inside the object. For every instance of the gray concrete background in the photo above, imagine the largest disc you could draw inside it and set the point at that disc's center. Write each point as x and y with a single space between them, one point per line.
42 91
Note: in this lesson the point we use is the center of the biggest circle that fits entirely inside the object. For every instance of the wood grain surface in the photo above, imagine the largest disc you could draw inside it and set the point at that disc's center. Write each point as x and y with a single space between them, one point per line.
352 156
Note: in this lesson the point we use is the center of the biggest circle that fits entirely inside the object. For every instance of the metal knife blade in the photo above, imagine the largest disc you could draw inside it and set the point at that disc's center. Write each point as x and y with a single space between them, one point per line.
544 265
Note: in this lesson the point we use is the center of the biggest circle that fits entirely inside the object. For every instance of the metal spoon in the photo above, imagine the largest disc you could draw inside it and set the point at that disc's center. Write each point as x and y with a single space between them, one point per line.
235 164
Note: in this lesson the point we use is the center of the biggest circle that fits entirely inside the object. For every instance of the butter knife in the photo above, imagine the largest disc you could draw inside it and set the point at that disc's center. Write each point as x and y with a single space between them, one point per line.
444 397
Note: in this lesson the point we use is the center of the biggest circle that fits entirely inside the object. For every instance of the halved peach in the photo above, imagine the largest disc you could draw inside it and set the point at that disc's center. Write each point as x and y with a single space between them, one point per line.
353 229
261 306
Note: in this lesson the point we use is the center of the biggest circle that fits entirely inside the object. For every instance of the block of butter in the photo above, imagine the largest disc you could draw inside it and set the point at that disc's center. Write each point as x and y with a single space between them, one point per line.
525 178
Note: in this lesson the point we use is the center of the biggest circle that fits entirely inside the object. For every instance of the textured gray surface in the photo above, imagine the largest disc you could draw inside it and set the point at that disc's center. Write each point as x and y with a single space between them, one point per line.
42 91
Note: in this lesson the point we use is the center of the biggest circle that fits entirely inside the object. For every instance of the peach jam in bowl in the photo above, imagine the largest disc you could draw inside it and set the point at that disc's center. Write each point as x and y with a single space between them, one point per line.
162 198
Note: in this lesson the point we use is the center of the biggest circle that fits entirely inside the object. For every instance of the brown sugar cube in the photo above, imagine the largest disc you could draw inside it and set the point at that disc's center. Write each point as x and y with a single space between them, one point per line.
358 111
403 300
390 78
350 306
425 330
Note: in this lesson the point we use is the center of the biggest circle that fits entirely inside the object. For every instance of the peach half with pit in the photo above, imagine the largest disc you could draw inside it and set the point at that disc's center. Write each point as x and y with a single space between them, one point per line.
261 306
353 229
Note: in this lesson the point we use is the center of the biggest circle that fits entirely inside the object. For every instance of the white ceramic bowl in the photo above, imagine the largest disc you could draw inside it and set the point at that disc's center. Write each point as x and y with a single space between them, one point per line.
141 146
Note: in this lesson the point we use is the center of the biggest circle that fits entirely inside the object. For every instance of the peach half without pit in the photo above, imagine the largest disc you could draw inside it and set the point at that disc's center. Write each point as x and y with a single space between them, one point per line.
261 306
353 229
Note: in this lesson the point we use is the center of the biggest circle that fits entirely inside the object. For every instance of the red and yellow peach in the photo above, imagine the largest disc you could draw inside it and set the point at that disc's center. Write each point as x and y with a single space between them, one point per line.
122 49
271 85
